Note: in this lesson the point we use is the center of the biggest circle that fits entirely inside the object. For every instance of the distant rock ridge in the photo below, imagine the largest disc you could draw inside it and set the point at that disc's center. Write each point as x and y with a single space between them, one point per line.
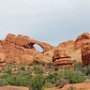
21 49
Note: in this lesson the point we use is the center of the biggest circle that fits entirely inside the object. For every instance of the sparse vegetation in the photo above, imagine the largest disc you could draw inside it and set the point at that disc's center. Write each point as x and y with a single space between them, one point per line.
74 76
34 76
38 82
53 79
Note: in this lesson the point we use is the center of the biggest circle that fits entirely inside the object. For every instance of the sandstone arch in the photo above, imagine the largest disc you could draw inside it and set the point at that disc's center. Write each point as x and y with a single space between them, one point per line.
38 48
27 42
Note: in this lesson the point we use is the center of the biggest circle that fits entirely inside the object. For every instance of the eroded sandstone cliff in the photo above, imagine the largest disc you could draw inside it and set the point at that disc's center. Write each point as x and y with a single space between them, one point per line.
21 49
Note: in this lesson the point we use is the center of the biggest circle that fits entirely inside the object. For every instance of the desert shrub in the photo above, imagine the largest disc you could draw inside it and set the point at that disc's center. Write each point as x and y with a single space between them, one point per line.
53 79
3 82
38 82
86 70
48 85
74 76
80 67
7 70
77 66
38 70
49 67
21 67
19 79
62 83
56 68
43 63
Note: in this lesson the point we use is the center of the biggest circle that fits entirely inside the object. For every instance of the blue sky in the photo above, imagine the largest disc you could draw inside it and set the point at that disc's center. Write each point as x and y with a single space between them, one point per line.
52 21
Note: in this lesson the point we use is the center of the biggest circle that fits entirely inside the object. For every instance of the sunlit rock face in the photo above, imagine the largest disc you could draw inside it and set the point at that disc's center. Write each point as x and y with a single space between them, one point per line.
67 49
71 50
10 38
82 40
61 57
21 49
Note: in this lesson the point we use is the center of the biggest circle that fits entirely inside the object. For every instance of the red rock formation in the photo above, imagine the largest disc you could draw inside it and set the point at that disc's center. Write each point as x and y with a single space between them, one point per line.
10 38
73 49
20 49
58 53
63 61
63 53
68 46
22 40
86 54
61 57
83 37
82 40
46 47
27 42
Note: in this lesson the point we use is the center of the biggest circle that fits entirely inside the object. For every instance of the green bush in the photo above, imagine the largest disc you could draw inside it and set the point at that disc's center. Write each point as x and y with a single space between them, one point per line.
37 82
3 82
56 68
86 70
62 83
19 79
53 78
74 76
80 67
38 70
77 66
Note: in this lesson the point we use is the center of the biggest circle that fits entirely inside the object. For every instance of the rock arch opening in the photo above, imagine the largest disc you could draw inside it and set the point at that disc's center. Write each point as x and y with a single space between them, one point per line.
38 48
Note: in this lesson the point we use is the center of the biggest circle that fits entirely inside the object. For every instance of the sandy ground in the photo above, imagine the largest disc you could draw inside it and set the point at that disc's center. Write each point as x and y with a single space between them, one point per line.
13 88
81 86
